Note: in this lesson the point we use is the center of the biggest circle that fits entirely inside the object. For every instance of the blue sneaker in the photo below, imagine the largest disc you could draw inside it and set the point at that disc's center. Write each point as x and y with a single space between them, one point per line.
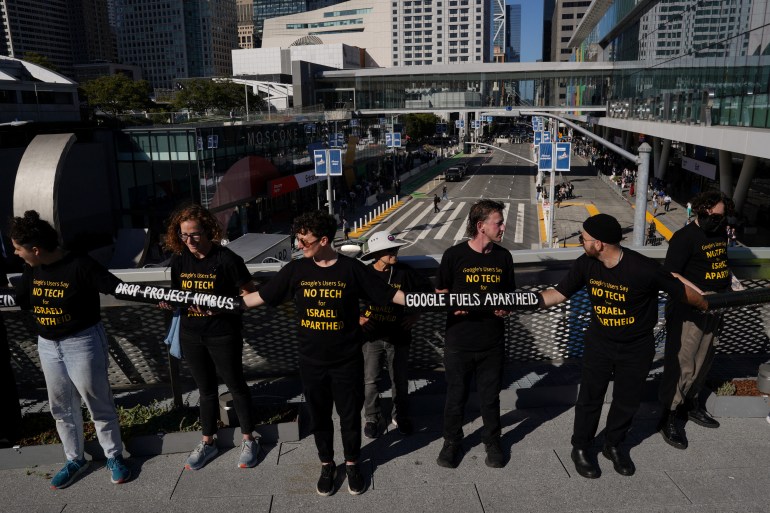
67 475
201 455
119 472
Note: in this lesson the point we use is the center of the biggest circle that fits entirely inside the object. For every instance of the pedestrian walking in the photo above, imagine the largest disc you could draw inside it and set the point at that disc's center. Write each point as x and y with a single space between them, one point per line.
444 195
436 201
666 202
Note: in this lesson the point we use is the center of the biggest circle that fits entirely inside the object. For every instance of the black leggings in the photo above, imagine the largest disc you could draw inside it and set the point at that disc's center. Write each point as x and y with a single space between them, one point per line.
208 356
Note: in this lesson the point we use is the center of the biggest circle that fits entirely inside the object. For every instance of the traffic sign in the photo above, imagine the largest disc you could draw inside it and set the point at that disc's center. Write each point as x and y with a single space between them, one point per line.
337 140
320 159
355 122
200 143
459 123
441 128
213 141
335 162
545 160
563 152
546 137
538 138
489 119
393 139
475 123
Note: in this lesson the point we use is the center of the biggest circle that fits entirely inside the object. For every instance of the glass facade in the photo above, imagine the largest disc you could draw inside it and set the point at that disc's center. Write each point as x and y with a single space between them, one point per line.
265 9
701 61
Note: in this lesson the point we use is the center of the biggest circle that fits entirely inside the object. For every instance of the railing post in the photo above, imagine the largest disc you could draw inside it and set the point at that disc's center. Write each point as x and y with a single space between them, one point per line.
642 177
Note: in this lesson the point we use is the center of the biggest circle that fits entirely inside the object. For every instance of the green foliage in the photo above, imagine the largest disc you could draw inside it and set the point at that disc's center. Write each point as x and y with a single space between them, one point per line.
40 60
727 388
116 94
418 126
200 95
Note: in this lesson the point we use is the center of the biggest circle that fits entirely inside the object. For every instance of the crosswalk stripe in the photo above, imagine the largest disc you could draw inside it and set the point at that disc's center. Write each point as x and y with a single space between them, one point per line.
505 215
455 215
519 238
416 220
403 217
434 221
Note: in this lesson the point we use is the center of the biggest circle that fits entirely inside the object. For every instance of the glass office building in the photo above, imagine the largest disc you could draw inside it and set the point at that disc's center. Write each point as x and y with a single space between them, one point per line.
265 9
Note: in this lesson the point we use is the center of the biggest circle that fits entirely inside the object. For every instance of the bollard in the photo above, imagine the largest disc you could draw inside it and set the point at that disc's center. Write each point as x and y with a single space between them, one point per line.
355 226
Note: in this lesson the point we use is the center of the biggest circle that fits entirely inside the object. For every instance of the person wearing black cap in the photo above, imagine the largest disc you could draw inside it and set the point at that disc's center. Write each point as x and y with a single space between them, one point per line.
622 286
388 334
697 255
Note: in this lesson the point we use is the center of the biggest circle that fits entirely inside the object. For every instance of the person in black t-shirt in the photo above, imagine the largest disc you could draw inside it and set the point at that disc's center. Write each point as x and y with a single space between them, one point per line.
62 291
10 428
326 287
697 255
475 341
622 286
388 334
211 342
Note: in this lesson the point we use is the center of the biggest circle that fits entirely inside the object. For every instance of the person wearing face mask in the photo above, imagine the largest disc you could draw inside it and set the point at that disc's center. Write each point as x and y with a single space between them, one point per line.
697 255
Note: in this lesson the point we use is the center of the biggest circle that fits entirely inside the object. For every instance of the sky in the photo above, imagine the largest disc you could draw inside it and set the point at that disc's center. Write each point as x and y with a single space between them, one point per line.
531 29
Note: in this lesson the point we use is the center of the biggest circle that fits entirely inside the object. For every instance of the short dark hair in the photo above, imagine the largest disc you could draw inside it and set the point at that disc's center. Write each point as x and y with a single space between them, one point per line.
318 222
709 199
32 231
480 211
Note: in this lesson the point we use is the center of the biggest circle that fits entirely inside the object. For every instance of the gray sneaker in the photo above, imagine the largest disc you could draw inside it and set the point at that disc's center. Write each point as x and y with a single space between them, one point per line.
201 455
249 454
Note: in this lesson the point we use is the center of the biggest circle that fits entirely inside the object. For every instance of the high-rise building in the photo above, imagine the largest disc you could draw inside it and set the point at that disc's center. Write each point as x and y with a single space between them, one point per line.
513 33
426 32
266 9
566 17
499 28
245 23
172 39
548 8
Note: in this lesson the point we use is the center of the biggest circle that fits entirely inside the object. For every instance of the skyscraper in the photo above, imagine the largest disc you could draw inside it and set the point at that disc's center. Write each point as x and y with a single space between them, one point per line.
499 28
265 9
172 39
245 23
427 32
513 35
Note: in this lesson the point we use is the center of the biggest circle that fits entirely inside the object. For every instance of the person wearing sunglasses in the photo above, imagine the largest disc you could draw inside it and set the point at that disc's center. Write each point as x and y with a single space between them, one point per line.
619 345
388 335
211 342
697 255
326 287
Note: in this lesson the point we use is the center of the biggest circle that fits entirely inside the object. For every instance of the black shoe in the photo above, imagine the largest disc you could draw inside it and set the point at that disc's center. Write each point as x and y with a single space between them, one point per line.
670 431
447 458
404 426
584 464
620 460
356 483
325 484
702 418
371 430
495 456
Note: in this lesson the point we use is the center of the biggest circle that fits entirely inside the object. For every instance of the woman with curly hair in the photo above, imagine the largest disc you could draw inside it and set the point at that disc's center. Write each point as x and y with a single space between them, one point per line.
211 341
62 291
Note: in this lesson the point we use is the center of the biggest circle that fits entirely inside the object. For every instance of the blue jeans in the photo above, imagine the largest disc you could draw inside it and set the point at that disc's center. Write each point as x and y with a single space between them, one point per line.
75 368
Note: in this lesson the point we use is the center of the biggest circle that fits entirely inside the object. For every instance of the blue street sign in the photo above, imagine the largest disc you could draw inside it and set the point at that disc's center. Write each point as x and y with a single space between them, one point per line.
355 122
546 137
319 157
397 139
545 160
441 128
459 123
393 139
389 139
335 162
310 128
200 143
509 108
563 152
213 141
489 119
538 138
337 140
475 123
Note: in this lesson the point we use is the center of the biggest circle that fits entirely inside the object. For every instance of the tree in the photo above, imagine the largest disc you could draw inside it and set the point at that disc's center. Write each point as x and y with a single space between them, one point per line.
200 95
116 94
195 95
419 126
40 60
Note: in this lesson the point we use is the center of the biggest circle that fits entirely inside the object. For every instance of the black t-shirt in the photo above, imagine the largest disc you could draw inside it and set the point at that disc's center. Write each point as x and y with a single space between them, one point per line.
463 269
700 257
327 305
220 272
624 299
64 295
385 321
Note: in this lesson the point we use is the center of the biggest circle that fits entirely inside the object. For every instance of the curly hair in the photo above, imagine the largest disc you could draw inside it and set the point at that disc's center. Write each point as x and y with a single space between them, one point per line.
318 222
31 231
191 213
707 200
480 211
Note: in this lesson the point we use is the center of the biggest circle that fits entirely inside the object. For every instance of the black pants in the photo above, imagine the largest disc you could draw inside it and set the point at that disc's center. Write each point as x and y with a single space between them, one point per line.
627 363
10 428
459 368
208 356
341 385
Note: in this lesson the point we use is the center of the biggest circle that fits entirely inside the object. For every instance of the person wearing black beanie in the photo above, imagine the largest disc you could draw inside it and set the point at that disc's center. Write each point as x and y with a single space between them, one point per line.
619 346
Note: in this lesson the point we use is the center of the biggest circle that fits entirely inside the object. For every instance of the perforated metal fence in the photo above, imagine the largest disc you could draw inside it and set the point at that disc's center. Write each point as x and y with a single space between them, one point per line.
139 356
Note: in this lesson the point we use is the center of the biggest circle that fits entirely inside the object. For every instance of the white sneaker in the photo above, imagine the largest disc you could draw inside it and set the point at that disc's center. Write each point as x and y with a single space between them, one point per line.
768 418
